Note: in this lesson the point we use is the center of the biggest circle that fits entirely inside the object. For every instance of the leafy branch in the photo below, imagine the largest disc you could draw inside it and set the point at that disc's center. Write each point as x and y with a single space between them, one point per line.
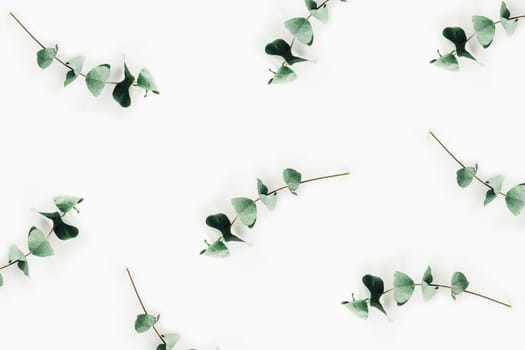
484 31
146 321
246 210
301 30
403 289
97 78
38 242
514 198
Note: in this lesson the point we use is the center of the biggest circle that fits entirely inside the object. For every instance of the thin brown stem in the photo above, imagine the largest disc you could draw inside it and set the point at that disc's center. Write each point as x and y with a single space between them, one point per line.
461 163
142 304
465 291
62 62
302 182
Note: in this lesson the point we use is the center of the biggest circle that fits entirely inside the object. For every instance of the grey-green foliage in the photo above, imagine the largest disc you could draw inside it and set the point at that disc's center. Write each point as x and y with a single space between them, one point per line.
97 78
484 30
246 210
301 30
144 322
37 242
403 289
514 198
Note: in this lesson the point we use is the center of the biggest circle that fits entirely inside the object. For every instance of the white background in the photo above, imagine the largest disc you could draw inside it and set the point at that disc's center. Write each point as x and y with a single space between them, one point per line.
152 173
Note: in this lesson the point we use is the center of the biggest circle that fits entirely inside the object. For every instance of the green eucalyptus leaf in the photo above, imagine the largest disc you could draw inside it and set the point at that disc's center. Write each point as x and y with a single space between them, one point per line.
121 90
509 25
403 287
96 78
485 29
283 75
464 176
45 57
38 243
504 11
62 230
292 179
170 339
428 290
301 29
358 307
448 61
16 254
246 209
1 280
376 287
144 322
66 203
496 183
269 200
216 250
76 64
321 13
222 223
458 37
147 82
281 48
459 284
515 199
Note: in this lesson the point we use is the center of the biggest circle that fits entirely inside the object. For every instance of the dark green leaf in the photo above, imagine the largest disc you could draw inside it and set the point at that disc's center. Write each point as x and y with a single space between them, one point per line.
38 243
222 223
281 48
96 78
459 38
448 61
246 209
283 75
358 307
301 29
121 90
66 203
426 288
485 30
16 254
496 183
403 287
144 322
321 13
268 200
459 284
376 287
147 82
76 65
216 250
464 176
45 57
62 230
515 199
504 11
292 179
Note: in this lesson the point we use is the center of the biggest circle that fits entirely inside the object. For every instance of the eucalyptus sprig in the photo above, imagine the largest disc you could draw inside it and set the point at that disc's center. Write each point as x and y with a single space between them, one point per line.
484 31
97 78
38 242
246 210
403 289
146 321
301 29
514 198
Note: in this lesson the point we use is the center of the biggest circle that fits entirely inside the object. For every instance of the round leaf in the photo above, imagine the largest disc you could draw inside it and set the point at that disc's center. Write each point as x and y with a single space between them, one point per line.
246 209
358 307
496 183
45 57
426 288
301 29
464 176
321 13
448 61
144 322
96 78
485 30
16 254
268 200
292 179
76 65
38 243
147 82
459 284
403 287
283 75
515 199
216 250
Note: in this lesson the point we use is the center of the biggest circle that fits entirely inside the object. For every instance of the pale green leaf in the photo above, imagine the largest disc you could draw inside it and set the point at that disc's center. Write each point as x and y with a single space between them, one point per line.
403 287
45 57
464 176
428 290
38 243
292 179
66 203
283 75
509 25
170 339
321 13
485 30
1 280
96 78
358 307
301 29
269 200
216 250
246 209
16 254
146 81
144 322
496 183
459 283
448 61
76 68
515 199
